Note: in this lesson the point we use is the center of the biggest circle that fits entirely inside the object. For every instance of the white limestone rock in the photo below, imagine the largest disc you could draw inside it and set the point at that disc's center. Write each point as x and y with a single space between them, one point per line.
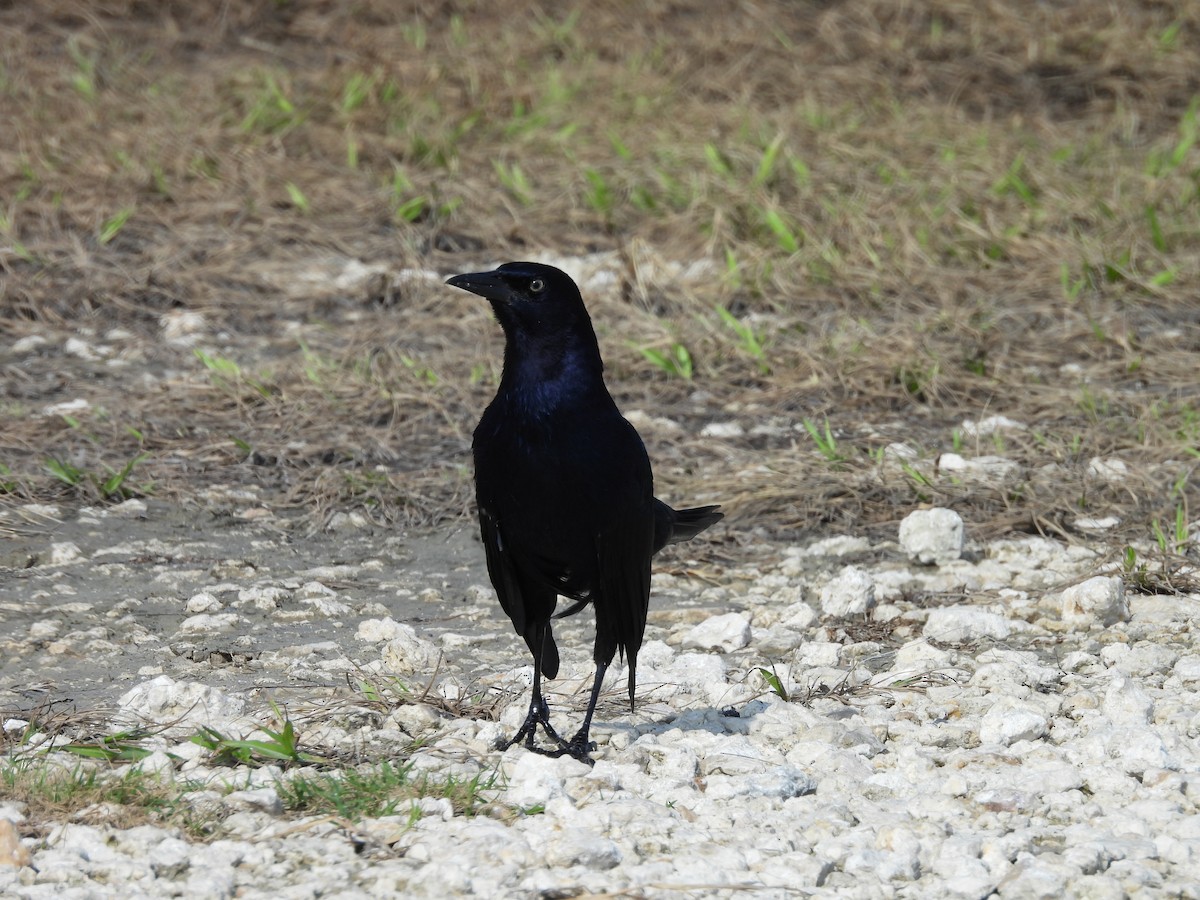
263 598
534 780
838 545
1108 468
1145 659
347 521
374 631
1126 704
991 425
28 344
64 553
818 654
183 327
1096 602
985 469
964 624
722 430
203 602
182 705
132 508
408 653
920 656
849 593
726 633
932 536
209 623
1009 721
1187 669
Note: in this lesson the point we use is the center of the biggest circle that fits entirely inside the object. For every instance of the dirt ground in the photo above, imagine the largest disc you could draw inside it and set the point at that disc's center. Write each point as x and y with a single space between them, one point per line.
224 226
143 567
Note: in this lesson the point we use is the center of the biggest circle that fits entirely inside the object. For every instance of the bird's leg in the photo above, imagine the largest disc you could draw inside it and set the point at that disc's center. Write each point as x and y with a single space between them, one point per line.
539 711
579 746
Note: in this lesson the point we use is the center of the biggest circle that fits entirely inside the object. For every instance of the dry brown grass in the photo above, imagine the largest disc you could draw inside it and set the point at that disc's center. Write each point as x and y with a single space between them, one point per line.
966 186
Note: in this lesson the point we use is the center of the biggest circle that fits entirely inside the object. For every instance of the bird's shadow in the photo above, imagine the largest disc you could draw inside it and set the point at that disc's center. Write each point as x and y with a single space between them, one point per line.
714 720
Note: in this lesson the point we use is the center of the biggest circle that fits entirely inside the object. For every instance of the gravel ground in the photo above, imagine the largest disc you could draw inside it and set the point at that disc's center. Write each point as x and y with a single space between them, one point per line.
962 720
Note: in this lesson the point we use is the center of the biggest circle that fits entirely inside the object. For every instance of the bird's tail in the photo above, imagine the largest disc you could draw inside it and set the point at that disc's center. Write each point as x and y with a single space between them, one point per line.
632 676
690 522
675 525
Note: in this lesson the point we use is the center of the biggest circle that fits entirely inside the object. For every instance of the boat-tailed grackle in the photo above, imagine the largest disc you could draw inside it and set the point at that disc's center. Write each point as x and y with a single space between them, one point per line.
566 497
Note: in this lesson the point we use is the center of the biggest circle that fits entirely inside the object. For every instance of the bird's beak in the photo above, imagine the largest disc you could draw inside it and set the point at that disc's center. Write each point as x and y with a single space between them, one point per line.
485 284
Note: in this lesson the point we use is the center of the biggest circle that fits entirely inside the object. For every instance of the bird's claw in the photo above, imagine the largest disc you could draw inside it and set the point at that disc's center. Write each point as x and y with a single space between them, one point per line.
539 714
579 747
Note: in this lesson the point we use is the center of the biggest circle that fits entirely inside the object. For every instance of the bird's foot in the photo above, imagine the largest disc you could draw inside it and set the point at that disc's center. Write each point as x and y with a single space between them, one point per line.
539 714
579 747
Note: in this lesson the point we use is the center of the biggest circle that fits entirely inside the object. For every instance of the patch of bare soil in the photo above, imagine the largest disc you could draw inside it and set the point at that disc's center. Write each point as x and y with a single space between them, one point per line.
225 228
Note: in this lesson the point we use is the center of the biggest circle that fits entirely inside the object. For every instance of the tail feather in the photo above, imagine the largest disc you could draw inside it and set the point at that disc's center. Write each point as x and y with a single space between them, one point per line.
690 522
632 676
671 526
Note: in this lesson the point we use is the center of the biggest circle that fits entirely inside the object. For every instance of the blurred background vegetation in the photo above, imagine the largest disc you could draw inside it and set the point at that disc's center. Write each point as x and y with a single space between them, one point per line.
814 231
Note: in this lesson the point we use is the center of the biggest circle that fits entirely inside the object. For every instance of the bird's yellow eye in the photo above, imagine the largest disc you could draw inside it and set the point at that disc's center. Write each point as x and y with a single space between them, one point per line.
537 286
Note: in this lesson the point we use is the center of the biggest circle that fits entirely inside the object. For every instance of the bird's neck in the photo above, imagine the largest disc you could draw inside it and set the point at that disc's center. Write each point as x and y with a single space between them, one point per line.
540 378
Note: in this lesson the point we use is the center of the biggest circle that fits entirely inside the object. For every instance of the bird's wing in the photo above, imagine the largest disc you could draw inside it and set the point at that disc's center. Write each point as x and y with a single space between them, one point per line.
528 607
501 570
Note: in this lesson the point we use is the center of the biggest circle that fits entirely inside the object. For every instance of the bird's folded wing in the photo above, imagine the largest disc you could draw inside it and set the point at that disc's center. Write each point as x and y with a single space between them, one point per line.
623 594
502 570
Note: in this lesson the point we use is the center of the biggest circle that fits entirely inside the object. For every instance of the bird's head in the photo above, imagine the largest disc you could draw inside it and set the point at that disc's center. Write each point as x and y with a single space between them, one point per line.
530 299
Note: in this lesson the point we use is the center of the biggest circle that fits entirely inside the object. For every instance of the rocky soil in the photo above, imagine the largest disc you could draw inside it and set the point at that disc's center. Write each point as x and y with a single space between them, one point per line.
942 718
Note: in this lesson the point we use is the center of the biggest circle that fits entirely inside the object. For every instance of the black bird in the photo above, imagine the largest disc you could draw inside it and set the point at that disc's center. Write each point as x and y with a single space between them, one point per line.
566 497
